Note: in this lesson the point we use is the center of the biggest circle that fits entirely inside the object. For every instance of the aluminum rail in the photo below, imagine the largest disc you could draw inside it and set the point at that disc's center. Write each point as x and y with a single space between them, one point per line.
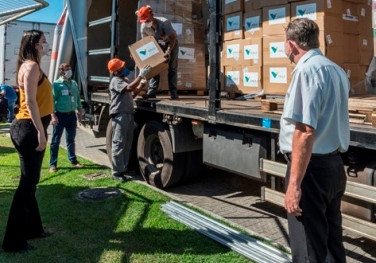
241 243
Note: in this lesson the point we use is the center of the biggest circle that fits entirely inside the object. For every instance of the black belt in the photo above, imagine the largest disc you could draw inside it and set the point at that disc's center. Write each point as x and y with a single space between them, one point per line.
287 156
67 113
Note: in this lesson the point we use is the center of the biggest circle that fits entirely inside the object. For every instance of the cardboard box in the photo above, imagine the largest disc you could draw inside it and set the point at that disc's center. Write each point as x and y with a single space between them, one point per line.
350 18
231 53
351 48
275 20
332 46
316 10
365 43
251 51
356 75
249 5
232 77
251 79
365 20
231 6
365 57
233 26
252 24
274 50
146 51
277 79
307 8
266 3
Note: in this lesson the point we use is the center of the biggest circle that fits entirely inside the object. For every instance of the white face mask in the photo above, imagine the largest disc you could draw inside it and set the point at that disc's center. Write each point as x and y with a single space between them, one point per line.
148 24
68 74
45 48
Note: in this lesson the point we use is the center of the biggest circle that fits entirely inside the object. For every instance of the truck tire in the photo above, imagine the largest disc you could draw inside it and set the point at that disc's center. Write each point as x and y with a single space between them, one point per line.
109 141
159 165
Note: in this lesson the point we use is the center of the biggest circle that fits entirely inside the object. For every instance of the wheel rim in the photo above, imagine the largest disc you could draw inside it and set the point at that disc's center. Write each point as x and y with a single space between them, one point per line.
154 151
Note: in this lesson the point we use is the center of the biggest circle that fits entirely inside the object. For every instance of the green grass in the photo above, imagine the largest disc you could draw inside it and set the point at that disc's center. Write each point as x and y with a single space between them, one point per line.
127 228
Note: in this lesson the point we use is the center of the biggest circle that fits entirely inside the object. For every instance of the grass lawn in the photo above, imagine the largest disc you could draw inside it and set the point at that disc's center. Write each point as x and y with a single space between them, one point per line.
127 228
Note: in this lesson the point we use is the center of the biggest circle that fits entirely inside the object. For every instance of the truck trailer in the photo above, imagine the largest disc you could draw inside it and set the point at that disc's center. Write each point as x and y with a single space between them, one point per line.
211 126
10 38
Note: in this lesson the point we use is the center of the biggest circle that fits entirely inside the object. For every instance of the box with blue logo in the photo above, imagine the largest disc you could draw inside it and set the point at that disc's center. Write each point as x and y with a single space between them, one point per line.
147 51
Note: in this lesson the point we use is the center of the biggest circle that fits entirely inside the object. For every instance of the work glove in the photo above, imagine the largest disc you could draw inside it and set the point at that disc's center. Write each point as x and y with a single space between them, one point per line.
167 55
144 71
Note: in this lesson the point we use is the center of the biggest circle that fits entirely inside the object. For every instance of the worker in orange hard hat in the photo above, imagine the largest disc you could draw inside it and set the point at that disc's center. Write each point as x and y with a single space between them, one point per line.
121 112
161 28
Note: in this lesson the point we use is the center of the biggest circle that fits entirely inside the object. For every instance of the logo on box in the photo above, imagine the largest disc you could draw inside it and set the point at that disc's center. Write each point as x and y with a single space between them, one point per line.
250 79
186 53
146 51
252 24
277 50
233 23
308 11
278 75
251 52
277 16
232 78
233 51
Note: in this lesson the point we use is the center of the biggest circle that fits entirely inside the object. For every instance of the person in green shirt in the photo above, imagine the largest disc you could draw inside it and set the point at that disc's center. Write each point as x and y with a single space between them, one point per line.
68 109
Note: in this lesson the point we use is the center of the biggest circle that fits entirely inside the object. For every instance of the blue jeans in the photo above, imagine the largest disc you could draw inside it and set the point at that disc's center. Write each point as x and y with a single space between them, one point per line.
122 137
11 104
69 123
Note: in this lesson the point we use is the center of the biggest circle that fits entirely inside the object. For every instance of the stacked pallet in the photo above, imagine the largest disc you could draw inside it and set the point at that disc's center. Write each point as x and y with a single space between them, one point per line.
187 20
362 109
253 56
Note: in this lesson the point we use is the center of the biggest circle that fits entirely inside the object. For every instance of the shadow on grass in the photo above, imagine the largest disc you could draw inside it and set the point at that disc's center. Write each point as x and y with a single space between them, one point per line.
6 150
90 231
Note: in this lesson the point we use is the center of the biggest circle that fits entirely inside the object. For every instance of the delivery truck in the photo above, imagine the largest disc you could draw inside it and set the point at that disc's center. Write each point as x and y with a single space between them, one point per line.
230 98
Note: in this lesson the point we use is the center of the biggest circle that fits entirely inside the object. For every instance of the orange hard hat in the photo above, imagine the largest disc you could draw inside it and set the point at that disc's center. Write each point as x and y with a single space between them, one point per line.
144 13
115 64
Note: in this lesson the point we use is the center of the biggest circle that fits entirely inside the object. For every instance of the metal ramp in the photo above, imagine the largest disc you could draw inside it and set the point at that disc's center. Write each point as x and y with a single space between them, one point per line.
11 10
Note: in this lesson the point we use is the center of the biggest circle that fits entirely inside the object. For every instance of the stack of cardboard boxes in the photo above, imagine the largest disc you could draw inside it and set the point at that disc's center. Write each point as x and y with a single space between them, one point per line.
187 20
253 56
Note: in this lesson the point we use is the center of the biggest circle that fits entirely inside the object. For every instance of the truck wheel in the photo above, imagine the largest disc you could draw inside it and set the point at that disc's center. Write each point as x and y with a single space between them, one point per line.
158 164
109 141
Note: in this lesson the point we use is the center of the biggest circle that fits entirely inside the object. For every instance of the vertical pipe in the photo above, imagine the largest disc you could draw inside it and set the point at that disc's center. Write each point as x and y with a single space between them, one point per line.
214 58
114 21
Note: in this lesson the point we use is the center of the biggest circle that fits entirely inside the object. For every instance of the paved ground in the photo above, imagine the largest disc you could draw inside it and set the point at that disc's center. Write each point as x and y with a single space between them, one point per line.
233 199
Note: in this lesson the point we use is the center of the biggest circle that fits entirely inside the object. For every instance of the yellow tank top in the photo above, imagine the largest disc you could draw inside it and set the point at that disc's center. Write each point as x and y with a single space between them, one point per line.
44 100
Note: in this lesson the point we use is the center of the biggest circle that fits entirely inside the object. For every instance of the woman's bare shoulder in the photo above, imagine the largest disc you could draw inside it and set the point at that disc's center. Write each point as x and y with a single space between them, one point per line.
29 65
29 70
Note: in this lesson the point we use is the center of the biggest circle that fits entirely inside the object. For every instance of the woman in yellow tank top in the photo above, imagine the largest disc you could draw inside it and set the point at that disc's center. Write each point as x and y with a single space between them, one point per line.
29 136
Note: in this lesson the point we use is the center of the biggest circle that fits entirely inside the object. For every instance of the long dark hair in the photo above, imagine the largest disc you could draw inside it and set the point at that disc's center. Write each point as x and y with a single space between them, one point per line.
27 48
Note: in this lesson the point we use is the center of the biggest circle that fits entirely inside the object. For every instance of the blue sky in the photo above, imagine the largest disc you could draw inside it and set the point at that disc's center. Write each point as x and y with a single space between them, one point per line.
49 14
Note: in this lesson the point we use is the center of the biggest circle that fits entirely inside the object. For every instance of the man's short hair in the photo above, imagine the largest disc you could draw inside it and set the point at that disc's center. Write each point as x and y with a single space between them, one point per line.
63 66
305 33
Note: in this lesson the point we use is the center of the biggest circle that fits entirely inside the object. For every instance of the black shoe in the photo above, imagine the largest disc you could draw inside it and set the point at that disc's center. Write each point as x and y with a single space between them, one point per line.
120 178
149 96
174 97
